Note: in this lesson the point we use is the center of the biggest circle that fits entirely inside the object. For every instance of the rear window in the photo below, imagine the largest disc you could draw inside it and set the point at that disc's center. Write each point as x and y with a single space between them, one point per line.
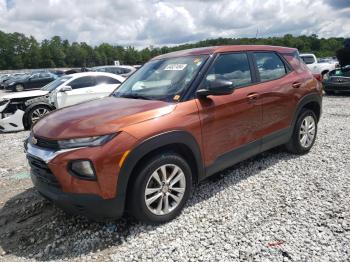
341 72
308 59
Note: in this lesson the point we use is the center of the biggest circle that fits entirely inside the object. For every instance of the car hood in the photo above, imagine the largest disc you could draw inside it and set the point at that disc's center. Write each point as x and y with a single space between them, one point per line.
99 117
25 94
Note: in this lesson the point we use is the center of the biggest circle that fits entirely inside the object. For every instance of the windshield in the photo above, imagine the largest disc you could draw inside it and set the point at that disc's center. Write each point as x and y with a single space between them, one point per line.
345 71
164 79
56 83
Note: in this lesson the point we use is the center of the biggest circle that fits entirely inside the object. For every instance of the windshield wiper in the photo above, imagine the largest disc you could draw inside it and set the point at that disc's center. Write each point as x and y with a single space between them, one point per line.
136 96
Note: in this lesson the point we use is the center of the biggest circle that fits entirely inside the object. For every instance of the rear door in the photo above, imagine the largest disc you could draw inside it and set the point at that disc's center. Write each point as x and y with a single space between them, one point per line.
79 93
278 96
230 123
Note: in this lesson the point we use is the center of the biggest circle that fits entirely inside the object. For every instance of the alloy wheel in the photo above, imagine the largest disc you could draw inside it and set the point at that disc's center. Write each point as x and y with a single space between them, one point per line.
165 189
39 113
307 131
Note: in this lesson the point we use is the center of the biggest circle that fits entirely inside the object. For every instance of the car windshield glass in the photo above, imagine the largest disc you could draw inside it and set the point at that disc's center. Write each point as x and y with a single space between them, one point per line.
345 71
163 79
54 84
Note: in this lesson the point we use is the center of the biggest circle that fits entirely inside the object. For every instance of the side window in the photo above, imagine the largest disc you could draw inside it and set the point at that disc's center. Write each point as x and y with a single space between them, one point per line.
44 75
270 66
106 80
233 67
35 76
85 81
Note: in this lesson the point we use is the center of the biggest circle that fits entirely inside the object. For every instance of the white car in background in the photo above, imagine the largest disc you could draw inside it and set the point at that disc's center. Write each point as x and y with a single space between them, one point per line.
21 110
122 70
318 67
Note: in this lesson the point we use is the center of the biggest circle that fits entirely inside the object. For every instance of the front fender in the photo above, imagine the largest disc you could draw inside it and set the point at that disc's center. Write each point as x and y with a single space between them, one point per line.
151 144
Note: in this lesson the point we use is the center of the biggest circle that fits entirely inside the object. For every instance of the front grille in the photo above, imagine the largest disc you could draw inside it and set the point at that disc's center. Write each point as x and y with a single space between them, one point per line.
340 79
45 143
42 172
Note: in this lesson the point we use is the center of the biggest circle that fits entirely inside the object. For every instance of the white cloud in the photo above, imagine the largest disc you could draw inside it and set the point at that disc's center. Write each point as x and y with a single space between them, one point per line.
151 22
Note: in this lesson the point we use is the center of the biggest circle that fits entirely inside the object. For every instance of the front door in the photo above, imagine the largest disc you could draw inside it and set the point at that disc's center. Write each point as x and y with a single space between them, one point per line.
81 91
230 123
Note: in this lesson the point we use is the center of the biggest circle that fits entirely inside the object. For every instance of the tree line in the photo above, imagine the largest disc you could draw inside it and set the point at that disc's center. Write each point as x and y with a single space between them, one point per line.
18 51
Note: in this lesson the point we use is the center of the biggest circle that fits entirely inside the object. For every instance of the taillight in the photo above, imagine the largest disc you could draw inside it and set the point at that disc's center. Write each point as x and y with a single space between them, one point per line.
318 77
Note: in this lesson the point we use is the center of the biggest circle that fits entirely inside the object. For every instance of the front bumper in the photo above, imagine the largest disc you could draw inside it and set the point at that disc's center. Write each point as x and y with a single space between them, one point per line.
98 199
88 205
336 86
13 122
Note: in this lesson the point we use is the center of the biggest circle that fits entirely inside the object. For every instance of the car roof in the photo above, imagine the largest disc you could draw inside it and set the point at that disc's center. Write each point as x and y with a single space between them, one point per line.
118 77
116 66
225 48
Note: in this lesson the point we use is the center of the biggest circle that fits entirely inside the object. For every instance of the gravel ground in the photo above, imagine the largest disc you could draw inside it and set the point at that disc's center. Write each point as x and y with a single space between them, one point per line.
274 207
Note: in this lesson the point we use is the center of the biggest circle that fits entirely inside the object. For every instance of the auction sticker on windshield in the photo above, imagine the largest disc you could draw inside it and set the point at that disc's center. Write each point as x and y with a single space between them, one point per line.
175 67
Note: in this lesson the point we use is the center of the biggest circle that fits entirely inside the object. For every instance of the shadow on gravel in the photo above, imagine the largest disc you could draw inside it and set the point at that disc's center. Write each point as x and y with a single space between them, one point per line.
31 227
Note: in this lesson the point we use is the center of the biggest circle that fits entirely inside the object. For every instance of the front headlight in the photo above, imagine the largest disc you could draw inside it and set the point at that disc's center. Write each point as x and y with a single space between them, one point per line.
85 141
326 76
12 83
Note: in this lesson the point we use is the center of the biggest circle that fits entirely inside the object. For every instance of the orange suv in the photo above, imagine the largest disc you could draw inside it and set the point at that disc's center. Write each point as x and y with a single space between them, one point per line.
180 118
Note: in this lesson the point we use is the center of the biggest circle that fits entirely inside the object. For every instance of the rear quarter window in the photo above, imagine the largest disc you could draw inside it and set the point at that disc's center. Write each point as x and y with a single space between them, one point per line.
270 66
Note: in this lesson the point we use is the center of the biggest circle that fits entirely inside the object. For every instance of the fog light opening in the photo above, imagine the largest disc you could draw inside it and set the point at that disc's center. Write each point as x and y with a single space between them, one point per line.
82 169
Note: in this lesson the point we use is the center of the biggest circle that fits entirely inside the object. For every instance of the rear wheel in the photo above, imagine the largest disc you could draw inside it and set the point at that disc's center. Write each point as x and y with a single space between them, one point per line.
34 113
304 133
161 189
19 88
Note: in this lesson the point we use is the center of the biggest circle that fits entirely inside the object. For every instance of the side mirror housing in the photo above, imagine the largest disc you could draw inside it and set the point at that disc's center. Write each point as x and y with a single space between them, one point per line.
217 87
66 88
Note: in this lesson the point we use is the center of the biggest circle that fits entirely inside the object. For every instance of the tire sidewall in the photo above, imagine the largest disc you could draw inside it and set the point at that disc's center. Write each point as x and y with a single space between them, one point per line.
302 116
144 214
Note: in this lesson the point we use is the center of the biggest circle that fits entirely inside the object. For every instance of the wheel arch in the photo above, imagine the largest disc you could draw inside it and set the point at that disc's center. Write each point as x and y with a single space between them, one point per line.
30 107
180 142
312 102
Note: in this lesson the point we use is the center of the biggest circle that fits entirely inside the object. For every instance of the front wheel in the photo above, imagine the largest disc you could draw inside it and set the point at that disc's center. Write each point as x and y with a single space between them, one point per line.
161 189
304 133
19 88
34 113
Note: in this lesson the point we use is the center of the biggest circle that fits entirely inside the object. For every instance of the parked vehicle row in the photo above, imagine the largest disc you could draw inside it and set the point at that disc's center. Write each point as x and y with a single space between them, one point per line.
180 118
21 110
319 66
23 81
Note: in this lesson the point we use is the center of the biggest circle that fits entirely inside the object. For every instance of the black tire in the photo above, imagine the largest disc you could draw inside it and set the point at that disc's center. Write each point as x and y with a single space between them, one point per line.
28 114
136 195
329 92
18 88
294 145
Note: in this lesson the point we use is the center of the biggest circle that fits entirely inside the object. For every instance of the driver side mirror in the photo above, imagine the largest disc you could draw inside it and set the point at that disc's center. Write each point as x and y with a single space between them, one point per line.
66 88
216 87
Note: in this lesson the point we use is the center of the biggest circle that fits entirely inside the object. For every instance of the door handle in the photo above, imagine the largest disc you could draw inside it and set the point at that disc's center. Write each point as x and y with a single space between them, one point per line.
296 85
252 97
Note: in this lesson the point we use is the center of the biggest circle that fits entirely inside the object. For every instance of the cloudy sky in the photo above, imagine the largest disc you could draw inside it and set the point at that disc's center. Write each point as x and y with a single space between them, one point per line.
155 22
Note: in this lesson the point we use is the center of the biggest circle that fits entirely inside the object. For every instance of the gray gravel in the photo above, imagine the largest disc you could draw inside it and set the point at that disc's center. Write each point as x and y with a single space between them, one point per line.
274 207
